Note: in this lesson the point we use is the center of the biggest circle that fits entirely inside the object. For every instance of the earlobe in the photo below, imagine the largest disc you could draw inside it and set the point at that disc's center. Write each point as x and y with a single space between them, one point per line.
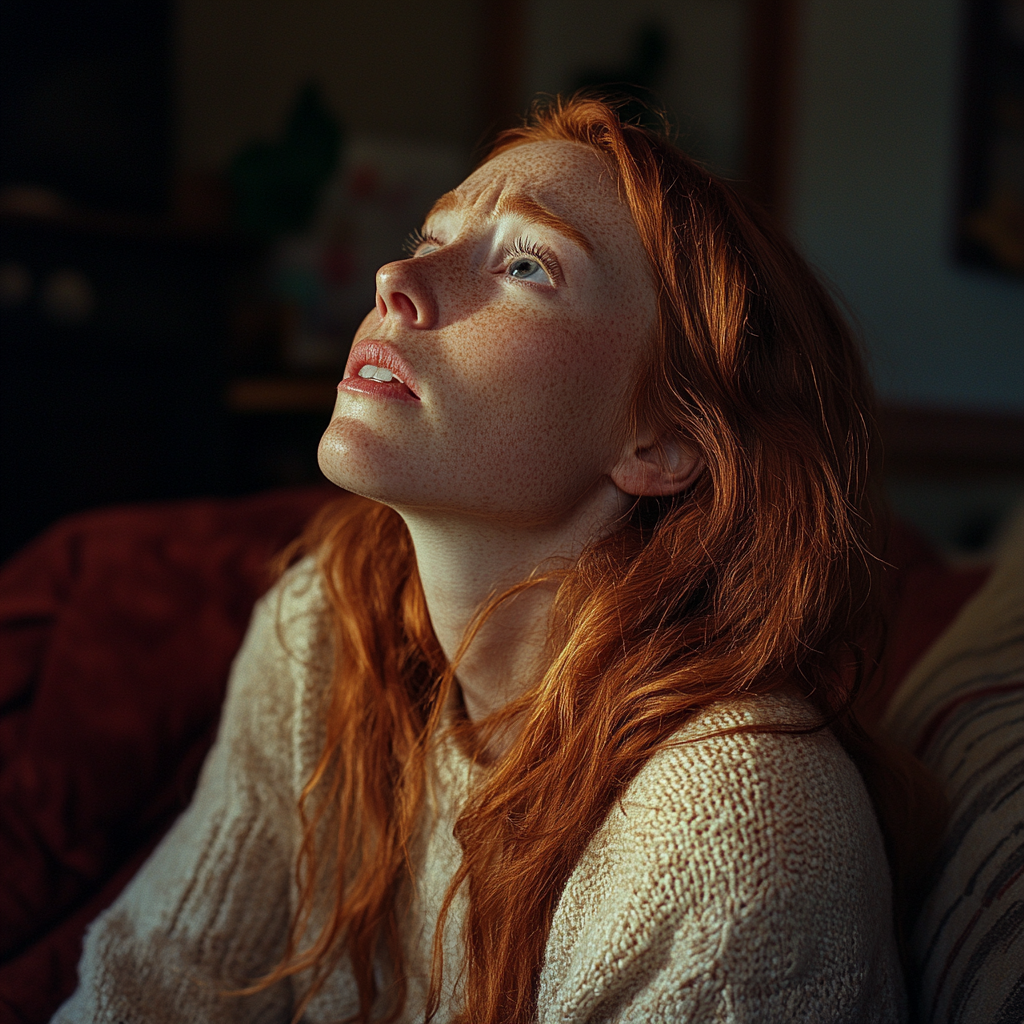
658 469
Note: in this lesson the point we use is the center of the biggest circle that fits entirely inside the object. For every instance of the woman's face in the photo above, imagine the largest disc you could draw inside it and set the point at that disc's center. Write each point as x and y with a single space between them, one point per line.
512 338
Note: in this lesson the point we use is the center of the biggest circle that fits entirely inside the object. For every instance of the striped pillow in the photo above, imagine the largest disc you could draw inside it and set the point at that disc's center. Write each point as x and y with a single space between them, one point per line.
961 710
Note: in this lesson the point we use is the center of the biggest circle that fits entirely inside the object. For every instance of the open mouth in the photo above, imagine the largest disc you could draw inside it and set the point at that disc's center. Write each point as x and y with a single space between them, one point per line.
382 375
375 368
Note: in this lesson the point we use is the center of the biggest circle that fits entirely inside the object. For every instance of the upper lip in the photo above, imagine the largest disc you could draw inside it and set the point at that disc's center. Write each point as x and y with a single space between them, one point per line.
371 352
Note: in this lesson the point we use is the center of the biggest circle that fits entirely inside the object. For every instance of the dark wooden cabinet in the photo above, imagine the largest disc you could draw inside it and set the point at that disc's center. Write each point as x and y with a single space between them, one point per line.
112 368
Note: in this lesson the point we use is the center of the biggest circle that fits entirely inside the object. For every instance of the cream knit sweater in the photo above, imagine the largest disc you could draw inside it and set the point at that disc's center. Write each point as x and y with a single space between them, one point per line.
741 878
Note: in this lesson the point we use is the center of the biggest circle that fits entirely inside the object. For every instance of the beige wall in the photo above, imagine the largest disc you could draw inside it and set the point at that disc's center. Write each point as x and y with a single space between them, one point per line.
704 83
874 198
404 68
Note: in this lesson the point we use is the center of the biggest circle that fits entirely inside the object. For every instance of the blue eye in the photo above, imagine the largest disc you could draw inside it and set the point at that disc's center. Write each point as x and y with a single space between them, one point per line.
526 269
527 261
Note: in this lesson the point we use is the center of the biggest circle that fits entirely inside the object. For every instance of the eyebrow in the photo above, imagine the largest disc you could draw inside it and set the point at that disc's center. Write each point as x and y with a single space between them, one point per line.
449 201
519 205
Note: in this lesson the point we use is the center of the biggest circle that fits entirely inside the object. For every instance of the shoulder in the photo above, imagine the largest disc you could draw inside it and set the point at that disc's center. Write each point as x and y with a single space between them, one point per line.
763 785
734 866
762 794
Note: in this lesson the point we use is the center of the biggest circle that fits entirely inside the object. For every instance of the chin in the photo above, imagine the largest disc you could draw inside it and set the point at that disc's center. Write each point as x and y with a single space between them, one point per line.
342 456
354 458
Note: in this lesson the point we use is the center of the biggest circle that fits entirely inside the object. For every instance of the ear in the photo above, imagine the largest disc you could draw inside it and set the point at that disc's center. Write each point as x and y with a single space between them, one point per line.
656 468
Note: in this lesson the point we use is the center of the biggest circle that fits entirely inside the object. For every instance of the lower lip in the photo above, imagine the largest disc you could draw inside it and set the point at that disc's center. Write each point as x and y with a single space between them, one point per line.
377 389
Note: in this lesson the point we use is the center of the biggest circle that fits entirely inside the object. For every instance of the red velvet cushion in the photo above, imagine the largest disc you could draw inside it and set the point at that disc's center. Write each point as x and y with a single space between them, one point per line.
117 630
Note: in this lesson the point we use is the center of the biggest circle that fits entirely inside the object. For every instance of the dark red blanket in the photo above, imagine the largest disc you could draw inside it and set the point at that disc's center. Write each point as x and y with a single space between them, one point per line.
117 630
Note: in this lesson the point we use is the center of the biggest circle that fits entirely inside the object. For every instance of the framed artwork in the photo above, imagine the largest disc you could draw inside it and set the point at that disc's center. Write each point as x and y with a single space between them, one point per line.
990 221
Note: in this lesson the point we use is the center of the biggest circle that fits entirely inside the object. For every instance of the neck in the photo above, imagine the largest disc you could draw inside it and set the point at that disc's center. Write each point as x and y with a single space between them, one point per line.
465 561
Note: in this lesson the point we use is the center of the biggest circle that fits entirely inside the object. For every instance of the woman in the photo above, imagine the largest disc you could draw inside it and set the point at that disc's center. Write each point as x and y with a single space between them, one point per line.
554 721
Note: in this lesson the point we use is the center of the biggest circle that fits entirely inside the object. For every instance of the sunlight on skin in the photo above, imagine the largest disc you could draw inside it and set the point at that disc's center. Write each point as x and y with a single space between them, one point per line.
518 325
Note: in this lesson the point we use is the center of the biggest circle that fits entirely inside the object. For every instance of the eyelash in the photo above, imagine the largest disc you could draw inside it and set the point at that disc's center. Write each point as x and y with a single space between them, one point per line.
522 246
541 253
415 239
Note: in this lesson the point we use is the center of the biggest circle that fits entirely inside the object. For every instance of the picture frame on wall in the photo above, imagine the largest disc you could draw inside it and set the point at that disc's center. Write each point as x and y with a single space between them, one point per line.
990 217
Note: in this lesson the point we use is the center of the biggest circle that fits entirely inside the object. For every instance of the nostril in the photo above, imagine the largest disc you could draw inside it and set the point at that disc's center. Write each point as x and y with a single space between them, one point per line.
400 294
404 307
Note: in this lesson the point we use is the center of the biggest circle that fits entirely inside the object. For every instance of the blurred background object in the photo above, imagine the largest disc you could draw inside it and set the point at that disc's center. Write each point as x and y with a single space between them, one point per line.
275 186
991 221
637 80
195 194
324 273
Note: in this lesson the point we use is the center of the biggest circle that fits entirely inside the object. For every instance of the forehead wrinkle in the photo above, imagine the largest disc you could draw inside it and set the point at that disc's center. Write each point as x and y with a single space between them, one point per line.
514 204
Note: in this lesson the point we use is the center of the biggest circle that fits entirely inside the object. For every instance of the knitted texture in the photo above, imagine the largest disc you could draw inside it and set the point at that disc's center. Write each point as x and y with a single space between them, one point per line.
741 878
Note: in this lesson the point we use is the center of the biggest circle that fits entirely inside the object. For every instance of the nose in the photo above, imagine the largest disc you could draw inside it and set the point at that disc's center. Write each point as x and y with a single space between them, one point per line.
402 293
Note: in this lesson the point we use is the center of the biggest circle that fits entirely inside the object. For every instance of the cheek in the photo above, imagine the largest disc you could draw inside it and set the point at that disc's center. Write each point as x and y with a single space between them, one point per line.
568 369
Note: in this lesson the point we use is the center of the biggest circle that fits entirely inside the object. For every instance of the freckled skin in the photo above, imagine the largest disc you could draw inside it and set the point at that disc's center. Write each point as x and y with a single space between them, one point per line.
518 452
524 385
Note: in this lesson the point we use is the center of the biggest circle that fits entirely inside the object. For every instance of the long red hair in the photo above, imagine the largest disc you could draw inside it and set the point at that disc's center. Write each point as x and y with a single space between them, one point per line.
761 575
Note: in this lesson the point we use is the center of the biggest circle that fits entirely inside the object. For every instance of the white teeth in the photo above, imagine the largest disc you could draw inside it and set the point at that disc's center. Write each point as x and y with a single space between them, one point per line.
376 373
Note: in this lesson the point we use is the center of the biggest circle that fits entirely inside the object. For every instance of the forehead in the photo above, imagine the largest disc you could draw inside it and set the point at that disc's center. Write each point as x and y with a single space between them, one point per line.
572 180
557 165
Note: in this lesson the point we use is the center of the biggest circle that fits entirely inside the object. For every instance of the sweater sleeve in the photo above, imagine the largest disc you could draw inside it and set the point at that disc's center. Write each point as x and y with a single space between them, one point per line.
209 910
742 878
